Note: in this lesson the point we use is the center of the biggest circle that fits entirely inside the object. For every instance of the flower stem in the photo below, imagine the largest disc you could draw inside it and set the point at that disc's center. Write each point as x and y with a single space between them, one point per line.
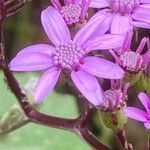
148 141
14 8
2 11
92 140
148 144
121 136
77 125
14 118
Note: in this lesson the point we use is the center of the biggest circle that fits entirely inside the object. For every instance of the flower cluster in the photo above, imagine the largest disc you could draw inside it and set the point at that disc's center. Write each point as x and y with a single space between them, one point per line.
122 15
129 60
70 56
82 54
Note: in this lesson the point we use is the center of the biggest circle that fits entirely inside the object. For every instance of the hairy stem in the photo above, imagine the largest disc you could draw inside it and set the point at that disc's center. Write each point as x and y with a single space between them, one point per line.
148 144
14 127
148 141
92 140
2 11
14 8
34 116
123 140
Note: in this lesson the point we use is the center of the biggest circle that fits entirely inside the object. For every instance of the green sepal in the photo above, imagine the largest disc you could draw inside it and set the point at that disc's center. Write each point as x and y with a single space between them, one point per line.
143 84
114 120
132 78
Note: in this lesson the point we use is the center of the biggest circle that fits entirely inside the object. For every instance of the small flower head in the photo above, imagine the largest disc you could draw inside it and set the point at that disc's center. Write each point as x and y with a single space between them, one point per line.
114 98
72 11
68 55
113 105
132 61
123 6
138 114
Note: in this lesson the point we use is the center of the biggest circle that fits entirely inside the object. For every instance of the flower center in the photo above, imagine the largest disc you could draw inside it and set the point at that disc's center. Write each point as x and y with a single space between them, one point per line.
124 6
131 61
68 55
112 99
71 13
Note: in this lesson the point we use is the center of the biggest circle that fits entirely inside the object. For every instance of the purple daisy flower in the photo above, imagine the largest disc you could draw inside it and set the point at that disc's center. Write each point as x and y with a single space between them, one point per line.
139 114
70 56
129 60
72 11
121 15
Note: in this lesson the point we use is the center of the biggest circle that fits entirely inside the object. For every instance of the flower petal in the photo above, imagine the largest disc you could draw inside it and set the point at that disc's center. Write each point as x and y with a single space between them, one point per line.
145 100
102 68
121 24
54 26
31 62
88 86
145 1
46 83
136 114
145 5
107 41
141 24
96 26
99 3
142 14
95 3
147 125
38 48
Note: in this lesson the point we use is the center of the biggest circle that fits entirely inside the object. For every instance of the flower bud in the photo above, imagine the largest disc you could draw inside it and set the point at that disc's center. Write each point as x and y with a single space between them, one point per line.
112 108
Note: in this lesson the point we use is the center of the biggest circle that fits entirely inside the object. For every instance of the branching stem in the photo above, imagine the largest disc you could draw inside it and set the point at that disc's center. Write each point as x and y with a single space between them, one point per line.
121 136
78 125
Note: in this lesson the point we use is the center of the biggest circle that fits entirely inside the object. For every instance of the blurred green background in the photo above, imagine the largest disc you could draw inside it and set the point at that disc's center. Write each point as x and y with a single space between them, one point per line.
24 29
39 137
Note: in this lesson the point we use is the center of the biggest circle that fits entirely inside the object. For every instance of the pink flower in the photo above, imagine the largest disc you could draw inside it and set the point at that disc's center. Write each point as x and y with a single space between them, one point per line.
129 60
72 11
121 15
69 56
138 114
